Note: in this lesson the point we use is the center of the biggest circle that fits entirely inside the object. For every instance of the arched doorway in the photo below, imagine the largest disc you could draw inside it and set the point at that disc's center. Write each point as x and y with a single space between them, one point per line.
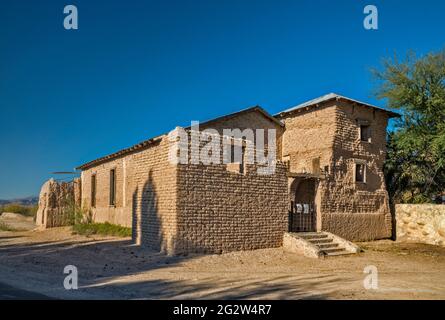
302 216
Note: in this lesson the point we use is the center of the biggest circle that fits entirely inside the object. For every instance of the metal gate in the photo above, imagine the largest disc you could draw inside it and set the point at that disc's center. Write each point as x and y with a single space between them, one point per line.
302 217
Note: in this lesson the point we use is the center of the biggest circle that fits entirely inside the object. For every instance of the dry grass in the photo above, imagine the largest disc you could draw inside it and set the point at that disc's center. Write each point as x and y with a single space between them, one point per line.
29 211
6 227
106 229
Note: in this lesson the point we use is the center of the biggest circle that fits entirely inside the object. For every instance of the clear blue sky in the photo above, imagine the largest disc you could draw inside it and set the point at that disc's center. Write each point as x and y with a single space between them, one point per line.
135 68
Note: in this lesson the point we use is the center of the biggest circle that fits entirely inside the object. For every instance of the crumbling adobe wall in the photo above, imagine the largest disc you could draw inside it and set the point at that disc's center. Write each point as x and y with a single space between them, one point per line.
56 203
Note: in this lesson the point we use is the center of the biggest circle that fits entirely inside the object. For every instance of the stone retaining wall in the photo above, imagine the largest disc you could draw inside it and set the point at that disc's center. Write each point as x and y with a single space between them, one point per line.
421 223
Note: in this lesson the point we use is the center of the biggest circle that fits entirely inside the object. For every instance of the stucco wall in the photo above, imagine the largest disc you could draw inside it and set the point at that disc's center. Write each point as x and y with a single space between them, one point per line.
423 223
120 213
308 135
250 120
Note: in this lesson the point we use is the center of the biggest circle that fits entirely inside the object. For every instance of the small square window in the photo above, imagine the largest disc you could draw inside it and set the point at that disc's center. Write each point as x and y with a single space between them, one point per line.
360 172
365 133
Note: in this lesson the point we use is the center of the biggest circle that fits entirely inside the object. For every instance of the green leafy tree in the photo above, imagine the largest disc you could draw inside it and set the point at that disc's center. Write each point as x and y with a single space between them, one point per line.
415 168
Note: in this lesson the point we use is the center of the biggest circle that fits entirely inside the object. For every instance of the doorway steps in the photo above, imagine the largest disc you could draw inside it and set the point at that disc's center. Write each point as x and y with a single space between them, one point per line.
318 244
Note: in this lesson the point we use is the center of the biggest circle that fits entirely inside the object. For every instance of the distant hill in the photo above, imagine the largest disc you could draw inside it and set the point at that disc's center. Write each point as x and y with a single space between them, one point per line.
28 201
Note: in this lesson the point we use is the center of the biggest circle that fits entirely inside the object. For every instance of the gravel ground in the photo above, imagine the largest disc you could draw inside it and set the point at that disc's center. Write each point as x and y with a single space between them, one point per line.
113 268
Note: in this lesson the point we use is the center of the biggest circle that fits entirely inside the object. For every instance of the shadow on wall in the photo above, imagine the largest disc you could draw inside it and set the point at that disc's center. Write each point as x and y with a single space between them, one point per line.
155 230
392 209
147 225
147 229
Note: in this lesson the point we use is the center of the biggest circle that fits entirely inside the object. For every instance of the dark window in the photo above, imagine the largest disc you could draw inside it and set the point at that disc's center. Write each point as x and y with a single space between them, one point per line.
243 151
360 174
241 157
112 187
326 169
238 149
93 191
365 133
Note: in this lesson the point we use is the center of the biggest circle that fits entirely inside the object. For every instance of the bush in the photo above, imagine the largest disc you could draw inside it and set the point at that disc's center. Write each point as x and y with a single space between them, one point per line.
5 227
106 229
29 211
72 214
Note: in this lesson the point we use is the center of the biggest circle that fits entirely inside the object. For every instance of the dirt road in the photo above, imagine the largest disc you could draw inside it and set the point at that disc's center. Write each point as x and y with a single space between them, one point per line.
111 268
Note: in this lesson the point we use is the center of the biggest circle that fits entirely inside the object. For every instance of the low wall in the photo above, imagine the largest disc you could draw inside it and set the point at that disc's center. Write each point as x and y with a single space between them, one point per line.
421 223
358 226
221 211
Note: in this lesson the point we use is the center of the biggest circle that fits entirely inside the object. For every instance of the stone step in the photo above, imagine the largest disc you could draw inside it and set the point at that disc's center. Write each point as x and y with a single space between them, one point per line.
338 253
313 236
320 241
317 244
332 250
328 246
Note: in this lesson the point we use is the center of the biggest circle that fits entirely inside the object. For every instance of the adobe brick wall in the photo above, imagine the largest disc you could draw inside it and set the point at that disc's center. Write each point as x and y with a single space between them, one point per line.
191 208
221 211
154 197
145 195
366 203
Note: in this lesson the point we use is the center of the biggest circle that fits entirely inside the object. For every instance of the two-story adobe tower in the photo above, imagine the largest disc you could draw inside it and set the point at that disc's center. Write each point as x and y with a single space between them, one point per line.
335 148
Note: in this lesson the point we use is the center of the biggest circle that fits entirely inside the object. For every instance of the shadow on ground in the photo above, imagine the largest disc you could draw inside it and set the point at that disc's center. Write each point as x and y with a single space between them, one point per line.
114 269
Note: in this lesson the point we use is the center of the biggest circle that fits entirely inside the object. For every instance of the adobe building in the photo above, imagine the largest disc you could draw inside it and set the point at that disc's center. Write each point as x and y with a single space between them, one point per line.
328 177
